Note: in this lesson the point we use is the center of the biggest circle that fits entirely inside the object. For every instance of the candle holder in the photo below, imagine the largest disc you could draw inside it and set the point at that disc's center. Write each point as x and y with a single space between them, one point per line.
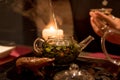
64 50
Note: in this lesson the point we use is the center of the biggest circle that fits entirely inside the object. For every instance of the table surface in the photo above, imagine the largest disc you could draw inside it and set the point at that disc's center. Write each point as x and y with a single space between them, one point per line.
99 67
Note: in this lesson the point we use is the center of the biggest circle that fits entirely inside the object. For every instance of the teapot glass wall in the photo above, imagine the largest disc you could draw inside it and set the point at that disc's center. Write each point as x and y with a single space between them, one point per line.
64 50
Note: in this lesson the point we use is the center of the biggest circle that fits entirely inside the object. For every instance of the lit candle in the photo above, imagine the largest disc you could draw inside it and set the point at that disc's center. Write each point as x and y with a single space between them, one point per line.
51 32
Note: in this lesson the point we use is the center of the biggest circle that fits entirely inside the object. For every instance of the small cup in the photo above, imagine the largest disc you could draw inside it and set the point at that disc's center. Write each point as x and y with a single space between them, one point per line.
107 11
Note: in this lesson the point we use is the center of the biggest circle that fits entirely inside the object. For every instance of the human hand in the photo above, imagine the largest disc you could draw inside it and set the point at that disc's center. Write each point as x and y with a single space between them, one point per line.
99 20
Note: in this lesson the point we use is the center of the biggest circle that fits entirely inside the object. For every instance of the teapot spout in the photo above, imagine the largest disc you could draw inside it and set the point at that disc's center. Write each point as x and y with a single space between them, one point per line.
83 44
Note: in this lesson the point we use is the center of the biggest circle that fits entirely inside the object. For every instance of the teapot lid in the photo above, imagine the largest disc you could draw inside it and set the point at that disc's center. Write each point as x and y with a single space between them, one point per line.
73 74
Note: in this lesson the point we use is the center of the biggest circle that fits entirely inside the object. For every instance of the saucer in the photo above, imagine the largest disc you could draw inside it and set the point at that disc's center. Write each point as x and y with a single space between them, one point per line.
5 51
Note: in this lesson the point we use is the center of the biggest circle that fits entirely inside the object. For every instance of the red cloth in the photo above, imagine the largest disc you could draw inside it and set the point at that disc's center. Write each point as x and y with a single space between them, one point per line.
102 55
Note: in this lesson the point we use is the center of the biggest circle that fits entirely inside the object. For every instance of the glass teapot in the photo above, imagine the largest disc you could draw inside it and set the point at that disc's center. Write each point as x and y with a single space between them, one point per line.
64 50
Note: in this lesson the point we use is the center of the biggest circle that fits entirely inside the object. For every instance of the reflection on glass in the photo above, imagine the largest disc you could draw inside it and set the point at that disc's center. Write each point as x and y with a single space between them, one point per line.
74 73
107 32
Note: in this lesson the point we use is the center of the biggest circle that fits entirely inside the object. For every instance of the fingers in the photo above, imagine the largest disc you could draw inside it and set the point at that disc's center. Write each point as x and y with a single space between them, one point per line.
111 21
107 18
98 24
95 27
101 22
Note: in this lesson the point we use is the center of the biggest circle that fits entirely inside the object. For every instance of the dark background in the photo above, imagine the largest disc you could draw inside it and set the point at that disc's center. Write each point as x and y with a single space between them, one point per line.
15 27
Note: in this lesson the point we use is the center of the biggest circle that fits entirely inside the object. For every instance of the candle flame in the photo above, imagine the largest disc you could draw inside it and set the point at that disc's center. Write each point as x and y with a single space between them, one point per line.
52 31
52 28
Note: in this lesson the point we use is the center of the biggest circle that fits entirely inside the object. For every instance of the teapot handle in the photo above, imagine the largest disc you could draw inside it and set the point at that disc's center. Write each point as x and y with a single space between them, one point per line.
103 39
37 45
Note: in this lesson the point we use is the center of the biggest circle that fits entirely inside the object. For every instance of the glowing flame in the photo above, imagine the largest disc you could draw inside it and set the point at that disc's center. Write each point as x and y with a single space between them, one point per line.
52 29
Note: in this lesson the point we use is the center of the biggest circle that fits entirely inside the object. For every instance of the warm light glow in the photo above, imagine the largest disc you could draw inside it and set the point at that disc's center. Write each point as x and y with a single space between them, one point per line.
52 31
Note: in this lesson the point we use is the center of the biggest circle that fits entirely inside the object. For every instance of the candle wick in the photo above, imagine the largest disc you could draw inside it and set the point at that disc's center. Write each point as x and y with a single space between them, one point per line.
53 14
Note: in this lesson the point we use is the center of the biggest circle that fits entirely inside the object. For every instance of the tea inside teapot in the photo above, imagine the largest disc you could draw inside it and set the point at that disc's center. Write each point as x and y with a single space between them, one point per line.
64 50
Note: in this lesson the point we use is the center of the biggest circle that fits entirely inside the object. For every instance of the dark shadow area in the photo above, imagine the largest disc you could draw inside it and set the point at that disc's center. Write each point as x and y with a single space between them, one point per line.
15 27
